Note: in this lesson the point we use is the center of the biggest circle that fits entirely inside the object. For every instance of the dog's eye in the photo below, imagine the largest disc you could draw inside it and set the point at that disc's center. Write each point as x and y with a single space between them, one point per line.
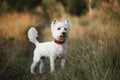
59 28
65 29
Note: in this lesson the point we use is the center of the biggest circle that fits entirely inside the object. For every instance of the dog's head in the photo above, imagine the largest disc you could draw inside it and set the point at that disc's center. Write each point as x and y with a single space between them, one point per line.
60 30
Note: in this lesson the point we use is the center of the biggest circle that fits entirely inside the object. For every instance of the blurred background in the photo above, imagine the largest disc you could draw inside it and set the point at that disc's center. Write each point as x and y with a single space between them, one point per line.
94 39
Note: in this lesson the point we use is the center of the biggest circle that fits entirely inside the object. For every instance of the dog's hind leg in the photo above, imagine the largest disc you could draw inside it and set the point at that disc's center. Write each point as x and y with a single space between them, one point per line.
41 66
62 63
35 61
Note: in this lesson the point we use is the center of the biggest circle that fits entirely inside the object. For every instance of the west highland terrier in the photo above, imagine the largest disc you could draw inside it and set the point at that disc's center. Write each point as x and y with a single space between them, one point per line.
54 49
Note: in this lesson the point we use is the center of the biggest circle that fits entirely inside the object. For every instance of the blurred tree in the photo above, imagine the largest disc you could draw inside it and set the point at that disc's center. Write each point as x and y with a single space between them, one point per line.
18 5
75 7
48 4
51 8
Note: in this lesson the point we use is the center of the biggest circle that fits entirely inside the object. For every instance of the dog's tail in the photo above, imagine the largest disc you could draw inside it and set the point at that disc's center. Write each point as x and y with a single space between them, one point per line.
32 35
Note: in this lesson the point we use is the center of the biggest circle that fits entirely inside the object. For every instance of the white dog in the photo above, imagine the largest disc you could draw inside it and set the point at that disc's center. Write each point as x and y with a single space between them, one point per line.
53 49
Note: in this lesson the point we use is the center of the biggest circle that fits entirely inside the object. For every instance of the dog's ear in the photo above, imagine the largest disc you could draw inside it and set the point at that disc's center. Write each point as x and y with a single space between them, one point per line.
54 22
67 22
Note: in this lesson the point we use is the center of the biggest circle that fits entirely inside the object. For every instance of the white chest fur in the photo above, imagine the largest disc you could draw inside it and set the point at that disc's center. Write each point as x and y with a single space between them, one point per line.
60 50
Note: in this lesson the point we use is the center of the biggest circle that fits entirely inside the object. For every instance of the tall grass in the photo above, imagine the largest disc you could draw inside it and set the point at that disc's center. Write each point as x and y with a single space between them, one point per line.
88 59
92 59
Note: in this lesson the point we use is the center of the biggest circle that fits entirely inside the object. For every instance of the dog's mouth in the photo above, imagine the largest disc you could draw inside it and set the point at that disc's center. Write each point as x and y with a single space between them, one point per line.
63 37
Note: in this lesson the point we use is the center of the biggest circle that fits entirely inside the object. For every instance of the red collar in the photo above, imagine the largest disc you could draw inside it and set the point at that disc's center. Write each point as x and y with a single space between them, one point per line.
58 42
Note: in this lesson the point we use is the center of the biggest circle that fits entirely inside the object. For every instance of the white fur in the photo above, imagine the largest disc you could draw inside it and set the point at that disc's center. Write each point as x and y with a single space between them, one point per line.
49 49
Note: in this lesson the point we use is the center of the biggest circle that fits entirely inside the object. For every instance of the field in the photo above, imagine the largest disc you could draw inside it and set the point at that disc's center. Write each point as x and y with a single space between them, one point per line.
93 54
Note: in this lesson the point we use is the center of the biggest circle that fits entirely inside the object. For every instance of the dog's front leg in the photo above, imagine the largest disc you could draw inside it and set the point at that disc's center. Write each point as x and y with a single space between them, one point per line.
52 64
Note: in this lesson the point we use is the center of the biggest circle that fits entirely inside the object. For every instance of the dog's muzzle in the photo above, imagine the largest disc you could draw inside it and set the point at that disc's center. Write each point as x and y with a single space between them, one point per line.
63 37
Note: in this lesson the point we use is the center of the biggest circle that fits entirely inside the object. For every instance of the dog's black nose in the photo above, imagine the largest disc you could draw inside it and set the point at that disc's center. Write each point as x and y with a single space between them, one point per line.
63 33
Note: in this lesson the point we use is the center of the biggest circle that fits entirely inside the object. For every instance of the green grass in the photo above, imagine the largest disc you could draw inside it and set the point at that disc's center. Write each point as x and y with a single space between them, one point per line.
85 63
88 59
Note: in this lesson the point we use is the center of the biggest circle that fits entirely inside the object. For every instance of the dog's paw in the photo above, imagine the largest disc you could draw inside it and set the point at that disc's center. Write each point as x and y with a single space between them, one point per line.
41 72
33 73
52 71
